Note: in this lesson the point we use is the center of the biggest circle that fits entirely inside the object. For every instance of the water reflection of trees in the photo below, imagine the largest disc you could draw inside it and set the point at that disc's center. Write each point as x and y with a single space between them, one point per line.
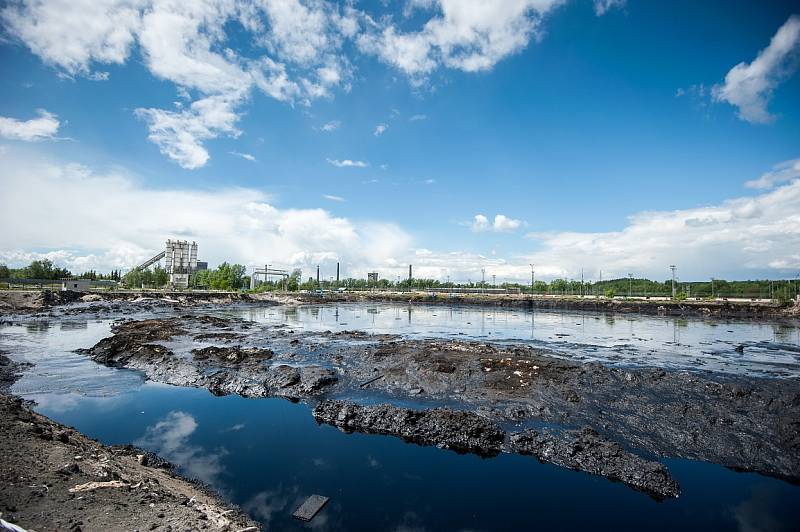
74 325
37 326
783 332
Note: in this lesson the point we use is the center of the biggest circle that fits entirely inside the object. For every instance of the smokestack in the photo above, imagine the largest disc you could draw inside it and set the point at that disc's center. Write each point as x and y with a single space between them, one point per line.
337 273
317 274
409 273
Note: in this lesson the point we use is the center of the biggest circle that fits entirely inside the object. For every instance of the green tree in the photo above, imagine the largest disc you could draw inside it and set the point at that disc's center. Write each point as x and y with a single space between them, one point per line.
293 283
44 269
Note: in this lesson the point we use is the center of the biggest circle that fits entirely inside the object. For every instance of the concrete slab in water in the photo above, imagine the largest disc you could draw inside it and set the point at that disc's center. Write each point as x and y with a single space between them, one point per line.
310 507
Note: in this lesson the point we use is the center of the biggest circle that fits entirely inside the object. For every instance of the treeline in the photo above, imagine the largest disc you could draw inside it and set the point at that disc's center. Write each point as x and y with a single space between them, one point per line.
773 289
233 277
225 277
38 269
156 277
115 275
45 269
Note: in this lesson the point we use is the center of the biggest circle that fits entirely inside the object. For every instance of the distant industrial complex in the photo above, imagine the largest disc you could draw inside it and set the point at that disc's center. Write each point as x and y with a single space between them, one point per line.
180 260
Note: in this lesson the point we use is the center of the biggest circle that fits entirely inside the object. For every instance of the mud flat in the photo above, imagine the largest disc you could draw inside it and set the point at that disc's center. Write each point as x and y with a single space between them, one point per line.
482 398
717 309
54 478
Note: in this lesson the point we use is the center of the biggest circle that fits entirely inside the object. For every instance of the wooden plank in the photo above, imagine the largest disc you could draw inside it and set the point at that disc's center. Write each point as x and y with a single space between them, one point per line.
310 507
363 384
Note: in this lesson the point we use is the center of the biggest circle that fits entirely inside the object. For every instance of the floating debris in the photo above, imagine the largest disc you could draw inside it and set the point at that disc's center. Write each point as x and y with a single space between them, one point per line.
310 508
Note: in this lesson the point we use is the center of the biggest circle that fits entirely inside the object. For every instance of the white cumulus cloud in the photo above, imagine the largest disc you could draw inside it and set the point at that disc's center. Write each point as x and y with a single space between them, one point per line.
749 87
347 163
601 7
298 55
180 134
738 238
331 126
87 219
71 34
780 173
218 52
469 35
748 234
501 223
380 129
44 127
245 156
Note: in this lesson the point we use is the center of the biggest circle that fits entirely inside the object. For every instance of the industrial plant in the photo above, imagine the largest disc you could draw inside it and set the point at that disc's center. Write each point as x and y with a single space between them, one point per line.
180 261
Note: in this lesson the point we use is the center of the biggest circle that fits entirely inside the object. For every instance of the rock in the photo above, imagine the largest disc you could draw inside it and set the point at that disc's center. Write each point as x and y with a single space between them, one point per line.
233 355
314 378
68 469
283 376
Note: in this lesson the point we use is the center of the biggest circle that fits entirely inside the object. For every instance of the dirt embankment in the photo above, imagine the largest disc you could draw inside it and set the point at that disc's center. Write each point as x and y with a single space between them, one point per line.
21 302
718 309
69 302
744 423
54 478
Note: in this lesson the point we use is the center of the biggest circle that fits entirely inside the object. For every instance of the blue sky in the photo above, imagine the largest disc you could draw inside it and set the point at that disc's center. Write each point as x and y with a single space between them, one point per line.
606 135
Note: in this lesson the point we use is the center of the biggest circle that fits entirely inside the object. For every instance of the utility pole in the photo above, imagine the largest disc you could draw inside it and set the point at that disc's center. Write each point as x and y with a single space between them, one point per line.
337 274
318 285
712 288
599 284
581 282
494 281
673 268
630 285
483 279
409 272
532 279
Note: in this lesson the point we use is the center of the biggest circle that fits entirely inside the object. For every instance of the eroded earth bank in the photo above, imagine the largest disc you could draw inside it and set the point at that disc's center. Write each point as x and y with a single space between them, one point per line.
54 478
481 398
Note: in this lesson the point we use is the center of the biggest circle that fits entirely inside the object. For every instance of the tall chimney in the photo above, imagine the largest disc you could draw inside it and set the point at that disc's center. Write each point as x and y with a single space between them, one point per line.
317 274
337 273
409 273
